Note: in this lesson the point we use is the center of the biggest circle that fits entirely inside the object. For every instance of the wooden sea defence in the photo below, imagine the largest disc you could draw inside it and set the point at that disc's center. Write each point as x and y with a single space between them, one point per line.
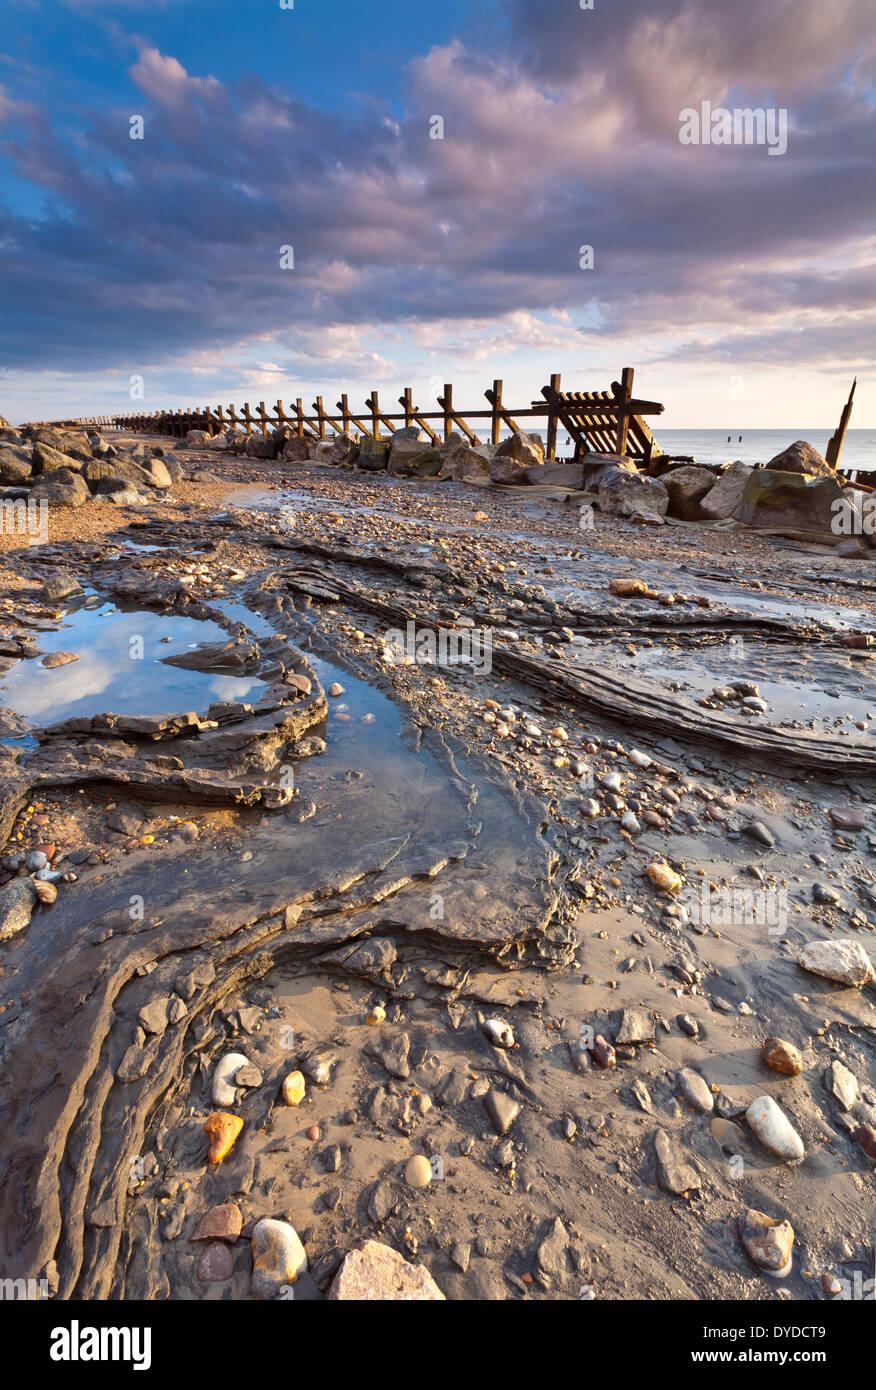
596 421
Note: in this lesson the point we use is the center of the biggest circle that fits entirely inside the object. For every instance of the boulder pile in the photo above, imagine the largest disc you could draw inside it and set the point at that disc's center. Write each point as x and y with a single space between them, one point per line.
66 468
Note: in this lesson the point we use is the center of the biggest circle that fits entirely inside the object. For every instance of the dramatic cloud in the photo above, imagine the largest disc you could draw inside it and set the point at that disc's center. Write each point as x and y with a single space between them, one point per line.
163 255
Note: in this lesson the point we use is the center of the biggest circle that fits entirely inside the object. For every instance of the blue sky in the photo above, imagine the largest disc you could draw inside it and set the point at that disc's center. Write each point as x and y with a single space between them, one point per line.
739 285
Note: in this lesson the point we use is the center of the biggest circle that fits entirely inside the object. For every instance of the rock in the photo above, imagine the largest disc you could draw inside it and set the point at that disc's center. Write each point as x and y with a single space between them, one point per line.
296 449
15 466
223 1091
628 588
373 454
318 1066
634 1026
216 1263
59 586
514 456
689 1025
467 464
642 1096
790 501
17 902
841 1084
460 1255
248 1076
570 475
402 452
687 486
393 1054
664 878
847 817
427 464
344 449
768 1241
373 1272
219 1223
757 831
674 1174
774 1130
865 1135
293 1088
724 501
499 1032
382 1202
693 1089
781 1056
418 1171
800 457
47 893
502 1110
58 659
622 493
841 959
602 1052
222 1130
47 460
259 447
278 1257
550 1258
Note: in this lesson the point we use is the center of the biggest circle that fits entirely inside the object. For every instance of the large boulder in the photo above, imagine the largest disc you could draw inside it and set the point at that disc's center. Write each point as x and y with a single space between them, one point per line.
63 442
723 501
570 475
514 455
800 457
403 451
63 487
46 459
687 486
344 449
468 464
235 441
792 501
154 474
96 470
622 494
426 465
15 465
258 446
200 439
373 454
321 451
296 449
598 466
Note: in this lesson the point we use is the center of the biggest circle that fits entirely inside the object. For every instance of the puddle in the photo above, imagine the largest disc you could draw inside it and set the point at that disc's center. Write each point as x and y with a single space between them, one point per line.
121 667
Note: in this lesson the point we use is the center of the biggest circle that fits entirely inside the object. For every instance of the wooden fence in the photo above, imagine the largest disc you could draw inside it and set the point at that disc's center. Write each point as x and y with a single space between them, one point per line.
598 421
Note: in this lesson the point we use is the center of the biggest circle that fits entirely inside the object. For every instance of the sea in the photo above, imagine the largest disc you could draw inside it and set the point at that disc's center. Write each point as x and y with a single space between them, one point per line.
751 446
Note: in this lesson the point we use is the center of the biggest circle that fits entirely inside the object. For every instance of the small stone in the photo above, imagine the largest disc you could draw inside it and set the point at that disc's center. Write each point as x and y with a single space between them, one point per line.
841 1084
222 1131
382 1202
693 1089
502 1110
17 902
188 831
293 1088
224 1092
840 959
46 892
768 1241
688 1025
866 1138
460 1255
313 1133
664 878
499 1032
278 1257
248 1076
830 1285
674 1174
757 831
216 1263
781 1056
602 1052
335 689
774 1130
219 1223
58 659
634 1026
418 1171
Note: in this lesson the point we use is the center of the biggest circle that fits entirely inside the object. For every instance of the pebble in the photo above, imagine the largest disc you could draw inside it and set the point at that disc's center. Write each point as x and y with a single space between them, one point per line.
502 1110
840 959
841 1084
374 1272
219 1223
278 1257
774 1130
335 689
693 1089
216 1263
664 878
222 1131
602 1052
418 1171
781 1056
768 1241
224 1092
46 892
499 1032
756 830
866 1138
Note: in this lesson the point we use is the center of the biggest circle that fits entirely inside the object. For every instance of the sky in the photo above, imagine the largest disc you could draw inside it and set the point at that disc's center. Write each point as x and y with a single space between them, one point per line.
740 284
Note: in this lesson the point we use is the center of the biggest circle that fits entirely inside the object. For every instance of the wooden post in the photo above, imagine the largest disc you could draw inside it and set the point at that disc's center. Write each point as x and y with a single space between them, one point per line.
247 418
551 445
496 422
317 405
281 415
375 414
344 408
623 398
405 400
447 398
299 413
835 445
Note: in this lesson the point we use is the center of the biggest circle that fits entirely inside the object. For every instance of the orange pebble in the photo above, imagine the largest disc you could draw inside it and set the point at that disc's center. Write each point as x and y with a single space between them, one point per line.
222 1130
